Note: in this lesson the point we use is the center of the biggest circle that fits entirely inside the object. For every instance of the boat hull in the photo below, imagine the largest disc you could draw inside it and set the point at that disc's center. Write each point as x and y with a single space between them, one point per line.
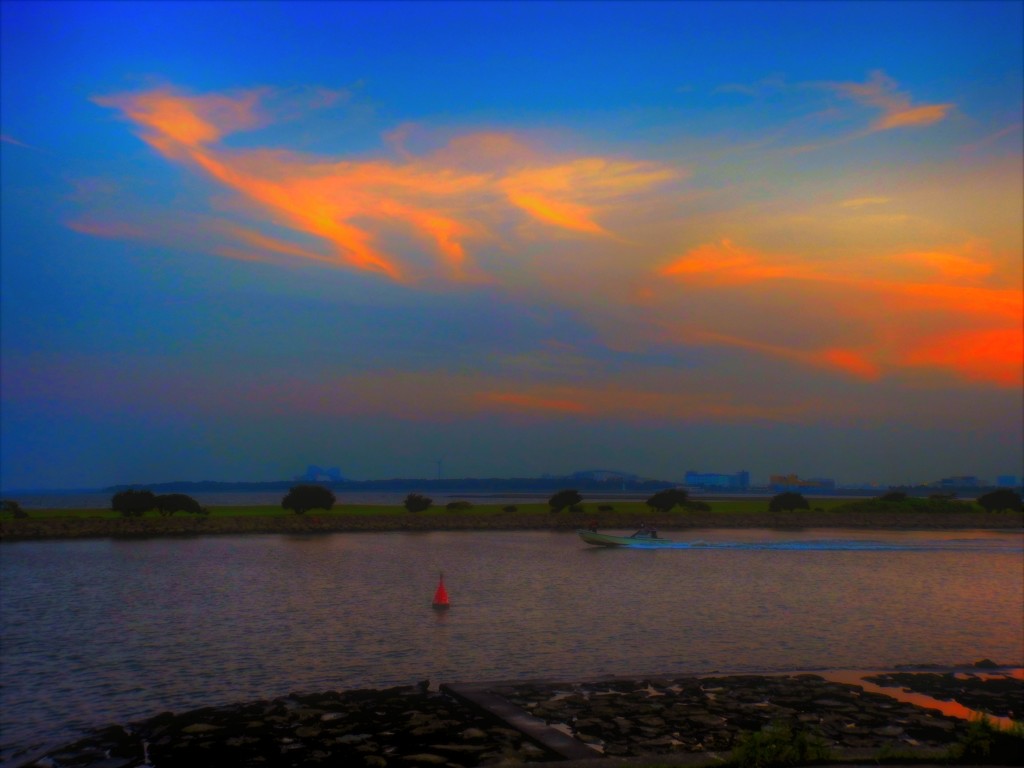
607 540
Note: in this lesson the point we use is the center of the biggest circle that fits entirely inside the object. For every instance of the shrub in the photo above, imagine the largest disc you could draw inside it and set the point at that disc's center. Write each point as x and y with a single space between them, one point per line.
893 496
576 508
417 502
985 744
779 745
458 506
13 508
605 508
132 503
939 506
1004 498
510 508
562 499
788 501
304 497
169 503
664 501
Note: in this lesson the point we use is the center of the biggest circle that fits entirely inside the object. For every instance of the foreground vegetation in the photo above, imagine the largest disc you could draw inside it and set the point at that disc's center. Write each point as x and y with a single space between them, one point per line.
416 514
609 512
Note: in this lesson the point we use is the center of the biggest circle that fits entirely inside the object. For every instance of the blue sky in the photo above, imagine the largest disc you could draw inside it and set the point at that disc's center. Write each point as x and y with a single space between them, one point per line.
239 238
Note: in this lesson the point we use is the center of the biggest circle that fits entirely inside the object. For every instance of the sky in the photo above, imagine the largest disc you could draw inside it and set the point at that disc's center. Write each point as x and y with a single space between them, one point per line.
514 238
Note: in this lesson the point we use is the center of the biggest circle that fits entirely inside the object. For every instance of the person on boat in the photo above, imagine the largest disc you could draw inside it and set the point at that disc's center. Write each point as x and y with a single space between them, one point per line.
592 526
645 532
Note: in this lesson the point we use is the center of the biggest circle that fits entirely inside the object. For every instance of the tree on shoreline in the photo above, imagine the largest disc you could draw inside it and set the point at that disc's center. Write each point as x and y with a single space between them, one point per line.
417 502
12 507
305 497
1000 499
567 498
169 503
787 502
133 503
664 501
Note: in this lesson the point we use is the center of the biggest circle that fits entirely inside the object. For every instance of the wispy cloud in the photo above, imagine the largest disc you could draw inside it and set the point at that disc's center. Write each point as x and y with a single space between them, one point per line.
973 331
898 111
862 296
860 202
354 206
8 139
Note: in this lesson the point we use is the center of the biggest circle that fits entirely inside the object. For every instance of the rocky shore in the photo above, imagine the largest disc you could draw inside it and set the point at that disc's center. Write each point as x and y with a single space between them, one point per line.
680 719
96 527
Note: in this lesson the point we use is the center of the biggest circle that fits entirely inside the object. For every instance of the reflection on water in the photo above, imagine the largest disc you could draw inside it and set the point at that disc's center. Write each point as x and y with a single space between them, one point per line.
950 708
105 630
848 543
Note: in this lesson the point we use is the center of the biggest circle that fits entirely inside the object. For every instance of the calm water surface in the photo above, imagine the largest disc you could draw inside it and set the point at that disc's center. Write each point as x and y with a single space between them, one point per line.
104 631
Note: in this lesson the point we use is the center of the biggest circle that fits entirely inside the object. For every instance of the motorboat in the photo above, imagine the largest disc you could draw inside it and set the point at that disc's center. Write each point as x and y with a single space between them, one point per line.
644 538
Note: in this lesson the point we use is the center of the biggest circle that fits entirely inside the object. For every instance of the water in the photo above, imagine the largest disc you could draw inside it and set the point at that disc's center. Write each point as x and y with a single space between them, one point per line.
101 631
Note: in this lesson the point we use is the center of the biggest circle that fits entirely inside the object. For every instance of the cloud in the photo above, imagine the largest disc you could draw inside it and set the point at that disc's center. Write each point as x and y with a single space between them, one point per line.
993 138
357 205
860 202
8 139
167 115
115 230
603 247
975 331
881 92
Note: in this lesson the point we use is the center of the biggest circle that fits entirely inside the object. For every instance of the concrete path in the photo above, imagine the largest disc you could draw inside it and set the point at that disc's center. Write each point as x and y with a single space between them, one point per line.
557 741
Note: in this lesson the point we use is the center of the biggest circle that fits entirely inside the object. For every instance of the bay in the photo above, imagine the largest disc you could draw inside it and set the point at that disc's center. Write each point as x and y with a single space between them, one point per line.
100 631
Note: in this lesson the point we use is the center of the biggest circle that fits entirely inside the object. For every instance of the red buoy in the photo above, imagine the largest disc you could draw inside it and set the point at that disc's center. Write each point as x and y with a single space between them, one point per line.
441 597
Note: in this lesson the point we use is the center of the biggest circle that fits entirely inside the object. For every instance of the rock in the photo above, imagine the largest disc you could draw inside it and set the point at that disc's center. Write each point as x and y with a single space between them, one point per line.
986 664
200 728
426 758
353 738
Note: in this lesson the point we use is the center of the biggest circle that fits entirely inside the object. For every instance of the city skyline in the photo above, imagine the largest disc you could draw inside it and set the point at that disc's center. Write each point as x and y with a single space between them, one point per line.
525 237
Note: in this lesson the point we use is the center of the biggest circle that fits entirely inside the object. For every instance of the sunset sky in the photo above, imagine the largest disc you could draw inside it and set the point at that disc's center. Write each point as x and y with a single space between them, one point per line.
520 238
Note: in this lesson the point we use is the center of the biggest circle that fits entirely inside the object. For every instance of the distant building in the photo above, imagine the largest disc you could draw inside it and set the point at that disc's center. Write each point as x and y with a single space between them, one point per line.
604 475
959 481
793 482
740 481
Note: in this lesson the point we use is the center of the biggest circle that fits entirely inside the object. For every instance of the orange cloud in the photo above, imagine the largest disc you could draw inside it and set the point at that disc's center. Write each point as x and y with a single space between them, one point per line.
266 243
852 362
951 266
190 120
880 91
354 205
542 191
859 202
620 400
926 115
992 355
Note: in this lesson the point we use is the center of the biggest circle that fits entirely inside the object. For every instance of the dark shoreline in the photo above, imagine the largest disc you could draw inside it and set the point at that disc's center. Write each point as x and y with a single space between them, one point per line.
676 719
181 525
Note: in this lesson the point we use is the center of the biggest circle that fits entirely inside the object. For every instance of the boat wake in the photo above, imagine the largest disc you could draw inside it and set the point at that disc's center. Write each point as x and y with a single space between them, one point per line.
840 545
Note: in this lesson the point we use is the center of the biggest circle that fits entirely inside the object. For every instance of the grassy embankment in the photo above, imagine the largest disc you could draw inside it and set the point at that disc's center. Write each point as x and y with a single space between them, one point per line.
734 513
